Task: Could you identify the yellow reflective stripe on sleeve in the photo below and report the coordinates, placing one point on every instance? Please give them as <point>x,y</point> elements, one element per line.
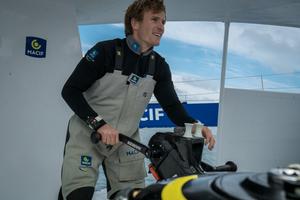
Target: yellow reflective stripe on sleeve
<point>173,190</point>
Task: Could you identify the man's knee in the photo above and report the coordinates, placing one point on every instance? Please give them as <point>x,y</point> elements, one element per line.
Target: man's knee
<point>85,193</point>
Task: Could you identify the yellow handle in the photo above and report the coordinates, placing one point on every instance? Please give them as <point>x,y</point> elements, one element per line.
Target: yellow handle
<point>173,190</point>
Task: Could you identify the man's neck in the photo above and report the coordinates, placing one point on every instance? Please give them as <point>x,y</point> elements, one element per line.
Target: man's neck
<point>136,47</point>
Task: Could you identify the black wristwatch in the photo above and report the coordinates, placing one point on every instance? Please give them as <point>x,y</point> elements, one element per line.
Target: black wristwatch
<point>95,122</point>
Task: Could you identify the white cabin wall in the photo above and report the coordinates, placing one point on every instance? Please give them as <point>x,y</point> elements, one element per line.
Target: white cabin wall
<point>33,116</point>
<point>259,130</point>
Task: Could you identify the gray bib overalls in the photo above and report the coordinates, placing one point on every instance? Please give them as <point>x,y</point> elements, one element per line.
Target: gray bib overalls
<point>120,100</point>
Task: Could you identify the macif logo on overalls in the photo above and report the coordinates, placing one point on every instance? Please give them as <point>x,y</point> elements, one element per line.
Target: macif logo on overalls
<point>35,47</point>
<point>131,152</point>
<point>133,79</point>
<point>86,161</point>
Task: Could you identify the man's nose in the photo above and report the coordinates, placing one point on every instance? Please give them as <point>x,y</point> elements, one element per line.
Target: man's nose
<point>161,26</point>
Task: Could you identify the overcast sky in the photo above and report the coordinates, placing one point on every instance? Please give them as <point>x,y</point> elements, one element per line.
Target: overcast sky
<point>277,47</point>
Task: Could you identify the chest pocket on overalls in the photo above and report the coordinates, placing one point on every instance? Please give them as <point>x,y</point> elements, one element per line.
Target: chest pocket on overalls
<point>145,90</point>
<point>144,93</point>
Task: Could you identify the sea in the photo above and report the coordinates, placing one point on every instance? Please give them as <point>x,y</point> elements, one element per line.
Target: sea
<point>146,133</point>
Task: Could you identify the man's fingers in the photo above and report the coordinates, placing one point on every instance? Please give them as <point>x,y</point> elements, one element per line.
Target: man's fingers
<point>209,138</point>
<point>205,141</point>
<point>211,143</point>
<point>117,138</point>
<point>110,136</point>
<point>110,140</point>
<point>104,138</point>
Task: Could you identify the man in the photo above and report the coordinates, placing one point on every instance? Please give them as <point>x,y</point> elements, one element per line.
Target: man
<point>109,91</point>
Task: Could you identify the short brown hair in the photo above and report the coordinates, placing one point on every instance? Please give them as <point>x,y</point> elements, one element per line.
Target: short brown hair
<point>136,10</point>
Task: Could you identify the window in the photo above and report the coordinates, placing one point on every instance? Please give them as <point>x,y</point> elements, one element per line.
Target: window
<point>263,57</point>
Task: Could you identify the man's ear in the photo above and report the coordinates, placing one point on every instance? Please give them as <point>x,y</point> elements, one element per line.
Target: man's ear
<point>134,24</point>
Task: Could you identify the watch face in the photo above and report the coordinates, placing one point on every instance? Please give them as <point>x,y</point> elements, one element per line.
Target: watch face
<point>95,123</point>
<point>98,118</point>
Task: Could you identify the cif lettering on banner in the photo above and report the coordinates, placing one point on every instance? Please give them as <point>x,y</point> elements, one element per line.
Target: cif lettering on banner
<point>154,116</point>
<point>35,47</point>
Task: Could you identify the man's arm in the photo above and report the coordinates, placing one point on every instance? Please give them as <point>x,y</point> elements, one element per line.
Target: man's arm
<point>89,69</point>
<point>84,75</point>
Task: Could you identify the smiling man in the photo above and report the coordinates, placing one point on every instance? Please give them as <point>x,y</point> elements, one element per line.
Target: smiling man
<point>108,92</point>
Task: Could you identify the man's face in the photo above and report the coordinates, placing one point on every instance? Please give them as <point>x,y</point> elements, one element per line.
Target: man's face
<point>149,31</point>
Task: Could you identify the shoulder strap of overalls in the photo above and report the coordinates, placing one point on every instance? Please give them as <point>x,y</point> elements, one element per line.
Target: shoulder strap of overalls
<point>151,65</point>
<point>119,55</point>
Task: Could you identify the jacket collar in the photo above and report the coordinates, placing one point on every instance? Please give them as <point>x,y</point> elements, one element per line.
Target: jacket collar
<point>135,46</point>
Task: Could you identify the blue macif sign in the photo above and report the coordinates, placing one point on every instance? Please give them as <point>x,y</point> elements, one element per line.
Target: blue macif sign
<point>154,115</point>
<point>35,47</point>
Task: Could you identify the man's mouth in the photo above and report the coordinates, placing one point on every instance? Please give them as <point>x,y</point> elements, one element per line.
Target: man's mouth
<point>157,34</point>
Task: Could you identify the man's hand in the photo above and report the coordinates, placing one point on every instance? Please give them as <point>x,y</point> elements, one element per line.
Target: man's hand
<point>109,135</point>
<point>209,138</point>
<point>207,134</point>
